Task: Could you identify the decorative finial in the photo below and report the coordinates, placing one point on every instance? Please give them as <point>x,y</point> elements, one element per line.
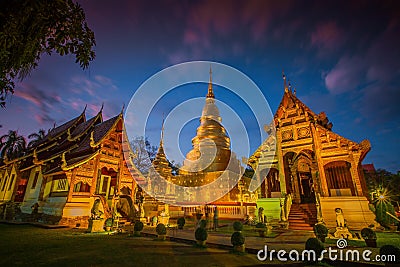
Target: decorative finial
<point>210,93</point>
<point>162,131</point>
<point>123,107</point>
<point>92,143</point>
<point>63,161</point>
<point>84,110</point>
<point>284,81</point>
<point>290,86</point>
<point>102,106</point>
<point>294,90</point>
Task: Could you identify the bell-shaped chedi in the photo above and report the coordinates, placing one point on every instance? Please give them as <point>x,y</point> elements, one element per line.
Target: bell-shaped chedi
<point>211,145</point>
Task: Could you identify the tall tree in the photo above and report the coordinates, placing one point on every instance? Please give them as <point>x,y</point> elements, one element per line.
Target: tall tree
<point>31,28</point>
<point>143,153</point>
<point>36,138</point>
<point>12,145</point>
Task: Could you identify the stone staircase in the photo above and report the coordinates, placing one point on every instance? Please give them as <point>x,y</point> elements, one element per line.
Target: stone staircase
<point>302,216</point>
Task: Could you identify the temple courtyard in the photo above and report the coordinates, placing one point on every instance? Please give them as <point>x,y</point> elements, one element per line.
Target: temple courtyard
<point>28,245</point>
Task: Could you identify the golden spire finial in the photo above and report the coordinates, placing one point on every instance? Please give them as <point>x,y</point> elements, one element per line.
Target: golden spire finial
<point>162,131</point>
<point>63,161</point>
<point>210,93</point>
<point>284,81</point>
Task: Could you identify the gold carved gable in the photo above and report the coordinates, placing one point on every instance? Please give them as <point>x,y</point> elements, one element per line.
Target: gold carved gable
<point>86,180</point>
<point>303,132</point>
<point>287,135</point>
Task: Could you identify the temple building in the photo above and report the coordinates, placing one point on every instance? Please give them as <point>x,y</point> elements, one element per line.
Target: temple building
<point>314,173</point>
<point>63,174</point>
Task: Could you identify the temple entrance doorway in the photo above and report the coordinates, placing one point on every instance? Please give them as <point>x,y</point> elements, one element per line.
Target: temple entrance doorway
<point>306,188</point>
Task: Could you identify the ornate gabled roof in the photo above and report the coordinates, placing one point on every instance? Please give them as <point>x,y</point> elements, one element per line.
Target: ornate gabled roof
<point>57,131</point>
<point>290,100</point>
<point>95,136</point>
<point>83,127</point>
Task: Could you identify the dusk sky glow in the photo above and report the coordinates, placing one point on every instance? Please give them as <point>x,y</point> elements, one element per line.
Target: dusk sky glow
<point>343,57</point>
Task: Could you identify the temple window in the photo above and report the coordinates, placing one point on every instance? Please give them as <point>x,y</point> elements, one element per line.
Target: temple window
<point>11,182</point>
<point>59,186</point>
<point>4,184</point>
<point>82,187</point>
<point>338,176</point>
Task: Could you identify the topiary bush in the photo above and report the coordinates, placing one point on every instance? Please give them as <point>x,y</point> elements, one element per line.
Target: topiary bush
<point>368,233</point>
<point>161,229</point>
<point>138,226</point>
<point>237,239</point>
<point>181,222</point>
<point>201,234</point>
<point>203,224</point>
<point>237,226</point>
<point>321,231</point>
<point>316,245</point>
<point>369,236</point>
<point>260,225</point>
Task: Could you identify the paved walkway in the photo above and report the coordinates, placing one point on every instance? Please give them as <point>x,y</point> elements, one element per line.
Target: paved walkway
<point>292,239</point>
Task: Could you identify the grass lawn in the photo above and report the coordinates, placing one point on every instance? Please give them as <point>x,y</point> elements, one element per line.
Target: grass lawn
<point>383,238</point>
<point>24,245</point>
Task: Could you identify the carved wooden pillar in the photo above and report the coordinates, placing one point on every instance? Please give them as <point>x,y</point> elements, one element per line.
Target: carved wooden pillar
<point>95,175</point>
<point>281,167</point>
<point>355,175</point>
<point>295,184</point>
<point>71,179</point>
<point>317,151</point>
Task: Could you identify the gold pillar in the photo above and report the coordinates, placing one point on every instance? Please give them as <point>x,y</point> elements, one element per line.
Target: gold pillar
<point>355,175</point>
<point>70,178</point>
<point>281,167</point>
<point>321,171</point>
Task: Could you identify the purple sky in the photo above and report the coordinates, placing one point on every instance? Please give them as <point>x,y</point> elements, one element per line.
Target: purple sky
<point>343,57</point>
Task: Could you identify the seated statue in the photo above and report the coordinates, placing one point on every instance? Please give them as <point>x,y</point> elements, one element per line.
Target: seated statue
<point>261,214</point>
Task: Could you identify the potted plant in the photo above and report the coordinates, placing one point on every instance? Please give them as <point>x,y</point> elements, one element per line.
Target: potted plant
<point>369,236</point>
<point>321,231</point>
<point>201,236</point>
<point>137,228</point>
<point>108,224</point>
<point>237,226</point>
<point>237,240</point>
<point>261,229</point>
<point>181,222</point>
<point>161,231</point>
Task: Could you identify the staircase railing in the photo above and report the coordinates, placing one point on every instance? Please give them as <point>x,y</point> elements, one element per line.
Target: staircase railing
<point>320,219</point>
<point>286,204</point>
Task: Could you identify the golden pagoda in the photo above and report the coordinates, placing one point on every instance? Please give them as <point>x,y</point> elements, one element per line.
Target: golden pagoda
<point>211,145</point>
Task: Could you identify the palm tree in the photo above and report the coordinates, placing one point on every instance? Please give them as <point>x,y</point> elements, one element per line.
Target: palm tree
<point>36,138</point>
<point>12,145</point>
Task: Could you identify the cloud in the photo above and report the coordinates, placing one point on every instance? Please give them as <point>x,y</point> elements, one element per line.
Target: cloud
<point>383,55</point>
<point>371,76</point>
<point>346,75</point>
<point>93,93</point>
<point>327,37</point>
<point>42,99</point>
<point>379,104</point>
